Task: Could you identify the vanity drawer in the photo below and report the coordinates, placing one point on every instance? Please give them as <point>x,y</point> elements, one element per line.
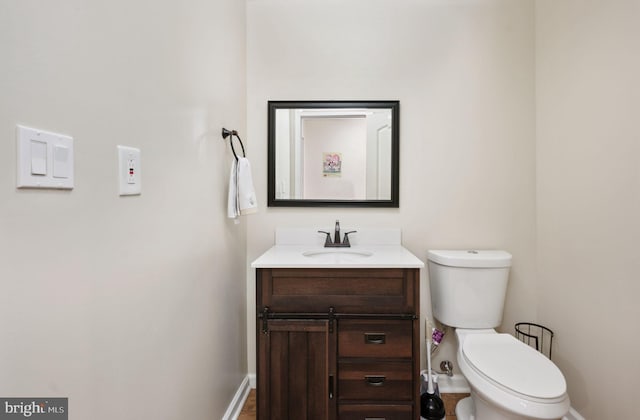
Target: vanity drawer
<point>375,381</point>
<point>375,412</point>
<point>375,338</point>
<point>349,291</point>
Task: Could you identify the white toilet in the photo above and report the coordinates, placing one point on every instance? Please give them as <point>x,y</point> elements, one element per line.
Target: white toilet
<point>508,379</point>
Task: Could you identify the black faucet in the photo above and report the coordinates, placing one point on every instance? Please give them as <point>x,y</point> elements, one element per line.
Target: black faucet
<point>336,241</point>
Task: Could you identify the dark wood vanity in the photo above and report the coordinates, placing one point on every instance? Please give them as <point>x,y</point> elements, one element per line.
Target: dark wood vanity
<point>338,343</point>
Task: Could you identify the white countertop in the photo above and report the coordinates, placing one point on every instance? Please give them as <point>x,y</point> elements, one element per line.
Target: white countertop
<point>383,256</point>
<point>371,251</point>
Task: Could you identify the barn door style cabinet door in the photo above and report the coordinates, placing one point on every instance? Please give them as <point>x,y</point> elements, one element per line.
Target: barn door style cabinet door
<point>296,371</point>
<point>337,343</point>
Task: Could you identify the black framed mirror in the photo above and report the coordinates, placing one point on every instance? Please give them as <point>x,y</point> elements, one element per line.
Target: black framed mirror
<point>333,153</point>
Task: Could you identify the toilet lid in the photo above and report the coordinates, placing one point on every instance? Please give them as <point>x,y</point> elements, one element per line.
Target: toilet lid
<point>514,365</point>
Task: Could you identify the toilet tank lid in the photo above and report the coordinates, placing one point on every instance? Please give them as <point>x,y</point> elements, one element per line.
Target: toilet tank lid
<point>471,258</point>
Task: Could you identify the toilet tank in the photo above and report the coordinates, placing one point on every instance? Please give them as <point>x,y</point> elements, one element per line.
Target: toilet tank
<point>468,288</point>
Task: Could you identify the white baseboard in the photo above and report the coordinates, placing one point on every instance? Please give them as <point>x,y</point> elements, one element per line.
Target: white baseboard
<point>235,407</point>
<point>253,380</point>
<point>573,415</point>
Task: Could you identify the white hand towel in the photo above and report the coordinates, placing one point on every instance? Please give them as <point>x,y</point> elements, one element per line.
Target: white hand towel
<point>242,196</point>
<point>247,202</point>
<point>232,203</point>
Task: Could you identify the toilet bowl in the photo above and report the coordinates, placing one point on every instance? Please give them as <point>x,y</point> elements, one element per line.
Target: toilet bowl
<point>508,379</point>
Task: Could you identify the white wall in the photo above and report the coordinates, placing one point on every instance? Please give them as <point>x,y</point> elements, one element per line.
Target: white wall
<point>588,97</point>
<point>464,74</point>
<point>134,307</point>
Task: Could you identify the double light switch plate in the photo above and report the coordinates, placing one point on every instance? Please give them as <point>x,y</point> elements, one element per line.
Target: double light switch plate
<point>45,160</point>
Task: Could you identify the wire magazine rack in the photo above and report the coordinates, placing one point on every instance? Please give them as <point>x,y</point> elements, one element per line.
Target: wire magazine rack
<point>537,336</point>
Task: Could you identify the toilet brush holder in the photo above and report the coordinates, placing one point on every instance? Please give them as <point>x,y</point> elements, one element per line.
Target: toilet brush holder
<point>431,405</point>
<point>424,385</point>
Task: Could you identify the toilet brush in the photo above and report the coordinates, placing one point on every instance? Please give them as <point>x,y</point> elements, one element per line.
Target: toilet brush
<point>431,405</point>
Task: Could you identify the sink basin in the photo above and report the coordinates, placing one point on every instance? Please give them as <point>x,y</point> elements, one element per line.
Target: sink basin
<point>337,252</point>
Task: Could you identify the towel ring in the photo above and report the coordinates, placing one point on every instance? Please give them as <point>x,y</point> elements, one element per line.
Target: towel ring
<point>226,133</point>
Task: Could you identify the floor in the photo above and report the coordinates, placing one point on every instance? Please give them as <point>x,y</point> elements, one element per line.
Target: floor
<point>249,410</point>
<point>450,401</point>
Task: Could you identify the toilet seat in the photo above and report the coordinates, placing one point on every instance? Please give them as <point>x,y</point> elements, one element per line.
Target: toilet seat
<point>514,367</point>
<point>508,390</point>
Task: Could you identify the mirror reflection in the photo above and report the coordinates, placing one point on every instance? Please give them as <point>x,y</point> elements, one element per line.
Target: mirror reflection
<point>333,153</point>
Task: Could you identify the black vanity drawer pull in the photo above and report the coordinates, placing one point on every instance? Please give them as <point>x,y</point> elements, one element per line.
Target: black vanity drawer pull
<point>375,338</point>
<point>375,418</point>
<point>375,380</point>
